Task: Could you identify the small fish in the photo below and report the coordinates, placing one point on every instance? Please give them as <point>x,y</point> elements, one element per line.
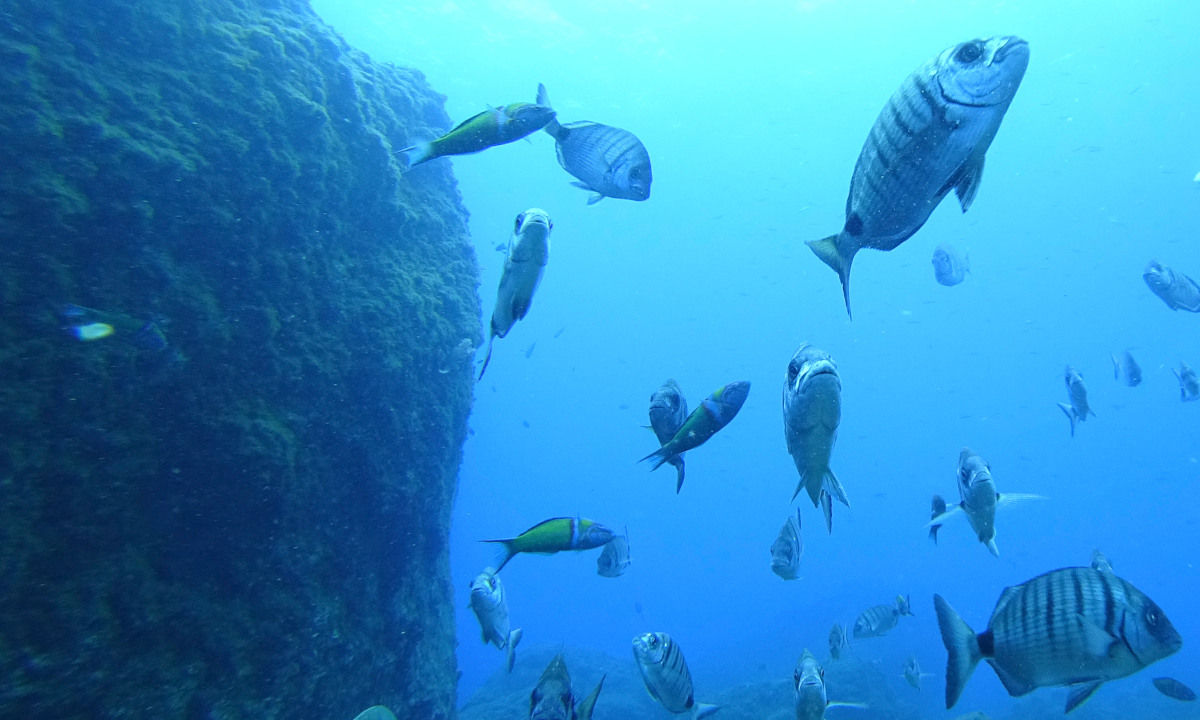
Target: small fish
<point>812,698</point>
<point>1189,384</point>
<point>937,507</point>
<point>1126,368</point>
<point>91,331</point>
<point>950,268</point>
<point>837,641</point>
<point>878,620</point>
<point>668,412</point>
<point>553,698</point>
<point>492,127</point>
<point>88,325</point>
<point>1177,290</point>
<point>1074,626</point>
<point>1078,410</point>
<point>490,605</point>
<point>608,161</point>
<point>1101,563</point>
<point>666,676</point>
<point>812,410</point>
<point>614,559</point>
<point>929,139</point>
<point>552,536</point>
<point>979,499</point>
<point>912,672</point>
<point>528,253</point>
<point>1172,688</point>
<point>787,549</point>
<point>713,413</point>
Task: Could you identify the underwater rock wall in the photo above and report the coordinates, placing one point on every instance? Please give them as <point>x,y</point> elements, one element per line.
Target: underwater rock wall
<point>236,504</point>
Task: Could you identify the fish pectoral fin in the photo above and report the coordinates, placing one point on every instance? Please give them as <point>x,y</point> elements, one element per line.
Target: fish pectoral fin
<point>1009,499</point>
<point>967,183</point>
<point>859,705</point>
<point>703,710</point>
<point>1079,694</point>
<point>1097,641</point>
<point>941,519</point>
<point>1070,413</point>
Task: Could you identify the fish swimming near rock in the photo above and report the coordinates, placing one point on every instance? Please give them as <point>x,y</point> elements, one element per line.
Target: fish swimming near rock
<point>950,268</point>
<point>1189,384</point>
<point>937,507</point>
<point>787,549</point>
<point>89,325</point>
<point>878,620</point>
<point>1172,688</point>
<point>979,499</point>
<point>668,412</point>
<point>812,411</point>
<point>1126,369</point>
<point>490,605</point>
<point>553,699</point>
<point>1078,409</point>
<point>528,253</point>
<point>608,161</point>
<point>837,641</point>
<point>614,559</point>
<point>714,412</point>
<point>492,127</point>
<point>930,138</point>
<point>912,672</point>
<point>1177,290</point>
<point>1076,626</point>
<point>812,697</point>
<point>666,676</point>
<point>552,536</point>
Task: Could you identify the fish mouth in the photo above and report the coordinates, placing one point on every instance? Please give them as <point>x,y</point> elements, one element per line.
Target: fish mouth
<point>1011,45</point>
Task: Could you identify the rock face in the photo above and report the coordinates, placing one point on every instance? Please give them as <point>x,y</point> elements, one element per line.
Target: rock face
<point>236,504</point>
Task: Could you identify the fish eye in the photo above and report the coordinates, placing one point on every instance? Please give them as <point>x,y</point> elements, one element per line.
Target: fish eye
<point>517,224</point>
<point>793,370</point>
<point>1152,617</point>
<point>969,53</point>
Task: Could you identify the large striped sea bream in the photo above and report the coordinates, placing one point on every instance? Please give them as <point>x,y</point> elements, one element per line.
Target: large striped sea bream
<point>609,161</point>
<point>1077,626</point>
<point>812,410</point>
<point>666,676</point>
<point>929,139</point>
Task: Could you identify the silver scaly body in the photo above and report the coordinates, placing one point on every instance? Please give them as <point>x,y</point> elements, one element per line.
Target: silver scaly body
<point>668,411</point>
<point>1189,383</point>
<point>1177,290</point>
<point>1078,409</point>
<point>665,674</point>
<point>490,605</point>
<point>812,411</point>
<point>528,253</point>
<point>787,549</point>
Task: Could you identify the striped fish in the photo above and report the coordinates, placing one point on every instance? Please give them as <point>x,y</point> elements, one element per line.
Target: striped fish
<point>554,535</point>
<point>878,620</point>
<point>837,641</point>
<point>812,410</point>
<point>1129,368</point>
<point>490,605</point>
<point>929,139</point>
<point>713,413</point>
<point>1075,626</point>
<point>1177,290</point>
<point>609,161</point>
<point>614,558</point>
<point>1078,410</point>
<point>668,411</point>
<point>666,676</point>
<point>787,549</point>
<point>1189,384</point>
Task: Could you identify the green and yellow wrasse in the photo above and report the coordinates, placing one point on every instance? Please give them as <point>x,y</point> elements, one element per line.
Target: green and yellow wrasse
<point>555,535</point>
<point>713,413</point>
<point>495,126</point>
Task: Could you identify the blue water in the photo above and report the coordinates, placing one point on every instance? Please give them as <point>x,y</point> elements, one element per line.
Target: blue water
<point>753,119</point>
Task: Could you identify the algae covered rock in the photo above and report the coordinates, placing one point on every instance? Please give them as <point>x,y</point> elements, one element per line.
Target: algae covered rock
<point>245,516</point>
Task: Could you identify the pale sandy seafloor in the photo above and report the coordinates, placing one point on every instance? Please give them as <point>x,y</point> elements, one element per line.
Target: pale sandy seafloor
<point>852,678</point>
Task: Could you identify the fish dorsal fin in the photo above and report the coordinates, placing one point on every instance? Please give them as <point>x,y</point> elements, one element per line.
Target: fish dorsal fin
<point>1079,694</point>
<point>967,184</point>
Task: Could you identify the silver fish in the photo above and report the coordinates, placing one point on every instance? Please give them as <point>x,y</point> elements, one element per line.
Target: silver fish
<point>812,410</point>
<point>668,411</point>
<point>1128,367</point>
<point>490,605</point>
<point>937,507</point>
<point>837,641</point>
<point>878,620</point>
<point>528,253</point>
<point>614,559</point>
<point>1074,626</point>
<point>950,268</point>
<point>553,699</point>
<point>812,697</point>
<point>929,139</point>
<point>1189,384</point>
<point>1172,688</point>
<point>1078,410</point>
<point>666,676</point>
<point>912,672</point>
<point>609,161</point>
<point>787,549</point>
<point>1177,290</point>
<point>979,499</point>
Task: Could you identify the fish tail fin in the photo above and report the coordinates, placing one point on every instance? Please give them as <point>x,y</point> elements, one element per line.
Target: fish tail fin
<point>514,637</point>
<point>588,704</point>
<point>703,710</point>
<point>678,463</point>
<point>659,456</point>
<point>486,358</point>
<point>1070,413</point>
<point>414,155</point>
<point>962,648</point>
<point>543,99</point>
<point>827,510</point>
<point>506,553</point>
<point>827,249</point>
<point>595,198</point>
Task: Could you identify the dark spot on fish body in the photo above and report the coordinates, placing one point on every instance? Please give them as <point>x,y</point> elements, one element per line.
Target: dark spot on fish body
<point>854,224</point>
